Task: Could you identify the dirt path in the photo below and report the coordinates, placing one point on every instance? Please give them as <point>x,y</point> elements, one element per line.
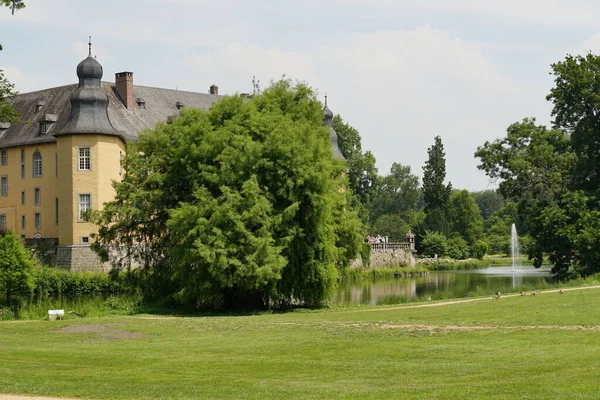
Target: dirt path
<point>446,303</point>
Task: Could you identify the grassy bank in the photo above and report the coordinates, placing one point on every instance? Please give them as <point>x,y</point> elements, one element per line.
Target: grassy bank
<point>534,347</point>
<point>383,273</point>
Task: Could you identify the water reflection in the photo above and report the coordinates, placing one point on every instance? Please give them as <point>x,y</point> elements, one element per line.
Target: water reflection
<point>442,284</point>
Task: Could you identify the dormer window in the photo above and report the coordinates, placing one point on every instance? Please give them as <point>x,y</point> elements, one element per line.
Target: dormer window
<point>141,103</point>
<point>3,128</point>
<point>43,128</point>
<point>179,105</point>
<point>39,106</point>
<point>46,122</point>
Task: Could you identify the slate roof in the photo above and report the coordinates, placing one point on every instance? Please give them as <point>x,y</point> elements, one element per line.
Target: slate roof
<point>160,104</point>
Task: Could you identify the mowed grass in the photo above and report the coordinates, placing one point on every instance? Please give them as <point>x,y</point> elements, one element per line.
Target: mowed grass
<point>533,347</point>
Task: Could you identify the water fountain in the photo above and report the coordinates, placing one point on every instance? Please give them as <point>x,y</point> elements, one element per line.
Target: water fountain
<point>514,247</point>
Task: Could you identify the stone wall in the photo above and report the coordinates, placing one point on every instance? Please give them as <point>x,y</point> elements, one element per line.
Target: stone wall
<point>388,258</point>
<point>79,258</point>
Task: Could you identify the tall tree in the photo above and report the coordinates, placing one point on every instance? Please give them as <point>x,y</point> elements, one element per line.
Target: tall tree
<point>465,216</point>
<point>363,179</point>
<point>488,201</point>
<point>238,206</point>
<point>436,195</point>
<point>398,194</point>
<point>576,100</point>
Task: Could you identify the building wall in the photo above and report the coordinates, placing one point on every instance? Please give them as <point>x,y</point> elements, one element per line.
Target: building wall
<point>105,153</point>
<point>47,183</point>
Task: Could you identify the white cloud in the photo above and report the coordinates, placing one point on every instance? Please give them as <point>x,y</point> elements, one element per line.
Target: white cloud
<point>233,67</point>
<point>403,88</point>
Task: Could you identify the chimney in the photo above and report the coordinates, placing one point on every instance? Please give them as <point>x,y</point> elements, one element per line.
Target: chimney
<point>214,89</point>
<point>124,84</point>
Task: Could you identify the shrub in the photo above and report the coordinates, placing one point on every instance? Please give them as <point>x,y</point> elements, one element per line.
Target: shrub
<point>434,243</point>
<point>57,281</point>
<point>457,248</point>
<point>480,249</point>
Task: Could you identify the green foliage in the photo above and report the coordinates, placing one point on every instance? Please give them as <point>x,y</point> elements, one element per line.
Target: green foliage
<point>480,249</point>
<point>530,162</point>
<point>576,101</point>
<point>436,195</point>
<point>7,93</point>
<point>465,216</point>
<point>457,248</point>
<point>51,281</point>
<point>238,206</point>
<point>14,5</point>
<point>16,266</point>
<point>488,201</point>
<point>434,244</point>
<point>398,194</point>
<point>392,226</point>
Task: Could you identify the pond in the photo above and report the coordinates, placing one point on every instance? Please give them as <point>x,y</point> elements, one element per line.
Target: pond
<point>443,285</point>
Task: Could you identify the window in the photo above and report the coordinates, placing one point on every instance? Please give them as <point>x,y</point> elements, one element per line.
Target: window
<point>4,157</point>
<point>22,163</point>
<point>23,222</point>
<point>56,210</point>
<point>23,198</point>
<point>4,185</point>
<point>22,156</point>
<point>37,196</point>
<point>56,163</point>
<point>37,164</point>
<point>85,204</point>
<point>37,218</point>
<point>85,163</point>
<point>85,240</point>
<point>2,222</point>
<point>43,128</point>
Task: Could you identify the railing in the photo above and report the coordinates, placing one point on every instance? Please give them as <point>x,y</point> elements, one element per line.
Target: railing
<point>390,246</point>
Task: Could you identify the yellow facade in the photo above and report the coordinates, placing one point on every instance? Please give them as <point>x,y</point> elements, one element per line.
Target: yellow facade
<point>60,184</point>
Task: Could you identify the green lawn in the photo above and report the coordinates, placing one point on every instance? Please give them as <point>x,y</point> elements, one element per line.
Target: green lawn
<point>541,347</point>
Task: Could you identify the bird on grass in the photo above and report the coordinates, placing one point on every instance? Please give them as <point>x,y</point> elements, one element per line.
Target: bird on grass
<point>560,291</point>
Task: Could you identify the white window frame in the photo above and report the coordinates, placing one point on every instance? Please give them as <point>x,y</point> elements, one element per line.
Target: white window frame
<point>86,206</point>
<point>43,128</point>
<point>37,164</point>
<point>82,158</point>
<point>4,185</point>
<point>37,220</point>
<point>85,240</point>
<point>4,157</point>
<point>37,196</point>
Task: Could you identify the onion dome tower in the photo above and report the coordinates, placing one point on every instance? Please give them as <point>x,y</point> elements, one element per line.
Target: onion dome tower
<point>89,104</point>
<point>328,123</point>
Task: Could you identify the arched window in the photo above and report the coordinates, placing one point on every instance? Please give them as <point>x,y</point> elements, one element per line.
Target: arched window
<point>37,164</point>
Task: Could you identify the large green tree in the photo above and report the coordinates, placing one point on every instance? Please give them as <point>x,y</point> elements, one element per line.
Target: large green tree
<point>7,93</point>
<point>363,179</point>
<point>398,194</point>
<point>436,195</point>
<point>576,100</point>
<point>238,206</point>
<point>465,217</point>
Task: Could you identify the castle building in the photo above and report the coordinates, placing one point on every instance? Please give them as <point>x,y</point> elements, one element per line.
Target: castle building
<point>61,160</point>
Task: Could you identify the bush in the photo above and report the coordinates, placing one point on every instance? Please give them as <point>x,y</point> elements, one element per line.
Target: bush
<point>480,249</point>
<point>57,281</point>
<point>457,248</point>
<point>434,244</point>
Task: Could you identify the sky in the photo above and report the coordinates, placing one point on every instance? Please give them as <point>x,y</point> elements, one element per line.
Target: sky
<point>399,71</point>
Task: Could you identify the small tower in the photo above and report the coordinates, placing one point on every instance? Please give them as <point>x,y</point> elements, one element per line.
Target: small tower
<point>328,123</point>
<point>410,238</point>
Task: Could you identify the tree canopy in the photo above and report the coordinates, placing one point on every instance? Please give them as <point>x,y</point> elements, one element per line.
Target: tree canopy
<point>239,206</point>
<point>436,195</point>
<point>16,266</point>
